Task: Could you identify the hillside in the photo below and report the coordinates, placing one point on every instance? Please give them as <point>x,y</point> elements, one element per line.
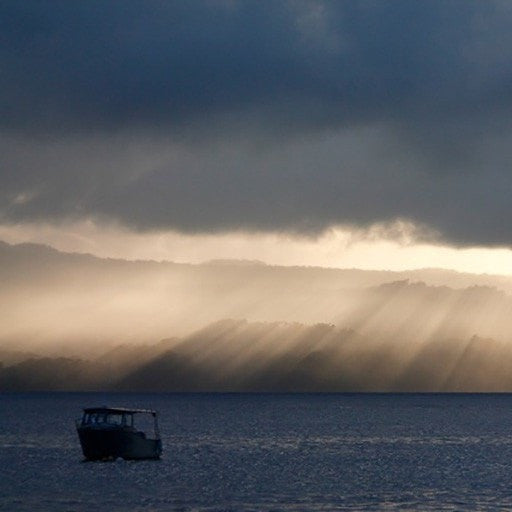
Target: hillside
<point>236,355</point>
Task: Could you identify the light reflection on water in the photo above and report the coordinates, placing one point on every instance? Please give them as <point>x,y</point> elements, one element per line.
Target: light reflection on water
<point>253,452</point>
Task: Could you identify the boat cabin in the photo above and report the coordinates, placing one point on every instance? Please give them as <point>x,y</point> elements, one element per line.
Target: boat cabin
<point>113,416</point>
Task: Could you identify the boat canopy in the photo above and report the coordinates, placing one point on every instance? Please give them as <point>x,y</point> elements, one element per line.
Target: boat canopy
<point>118,410</point>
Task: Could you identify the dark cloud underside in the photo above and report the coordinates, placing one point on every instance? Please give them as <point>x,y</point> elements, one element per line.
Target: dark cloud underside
<point>293,116</point>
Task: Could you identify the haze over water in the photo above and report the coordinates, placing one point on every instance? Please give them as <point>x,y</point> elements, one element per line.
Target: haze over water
<point>256,452</point>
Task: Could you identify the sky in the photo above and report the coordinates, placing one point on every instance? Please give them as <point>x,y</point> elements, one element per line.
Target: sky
<point>349,134</point>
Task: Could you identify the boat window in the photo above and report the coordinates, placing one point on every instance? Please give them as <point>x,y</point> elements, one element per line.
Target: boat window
<point>114,419</point>
<point>97,418</point>
<point>124,419</point>
<point>127,420</point>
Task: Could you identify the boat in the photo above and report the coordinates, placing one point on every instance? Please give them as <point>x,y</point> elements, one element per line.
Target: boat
<point>108,433</point>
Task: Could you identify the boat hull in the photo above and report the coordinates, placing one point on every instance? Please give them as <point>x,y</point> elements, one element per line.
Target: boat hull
<point>110,444</point>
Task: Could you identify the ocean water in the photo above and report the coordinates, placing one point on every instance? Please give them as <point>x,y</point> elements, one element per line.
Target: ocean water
<point>266,452</point>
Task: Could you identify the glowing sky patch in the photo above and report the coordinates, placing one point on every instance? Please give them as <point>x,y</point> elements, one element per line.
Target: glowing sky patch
<point>339,247</point>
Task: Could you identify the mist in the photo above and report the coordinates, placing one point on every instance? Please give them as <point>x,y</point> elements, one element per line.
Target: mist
<point>238,325</point>
<point>236,355</point>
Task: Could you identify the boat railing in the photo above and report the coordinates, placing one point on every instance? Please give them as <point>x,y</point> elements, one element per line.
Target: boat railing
<point>157,428</point>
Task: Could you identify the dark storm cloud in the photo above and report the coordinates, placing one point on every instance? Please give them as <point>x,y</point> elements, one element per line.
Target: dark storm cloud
<point>259,115</point>
<point>93,64</point>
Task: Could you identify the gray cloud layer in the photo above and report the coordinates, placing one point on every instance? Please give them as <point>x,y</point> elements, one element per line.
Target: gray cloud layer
<point>259,115</point>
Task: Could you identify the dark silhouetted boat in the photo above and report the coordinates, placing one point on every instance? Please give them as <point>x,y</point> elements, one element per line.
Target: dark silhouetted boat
<point>108,433</point>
